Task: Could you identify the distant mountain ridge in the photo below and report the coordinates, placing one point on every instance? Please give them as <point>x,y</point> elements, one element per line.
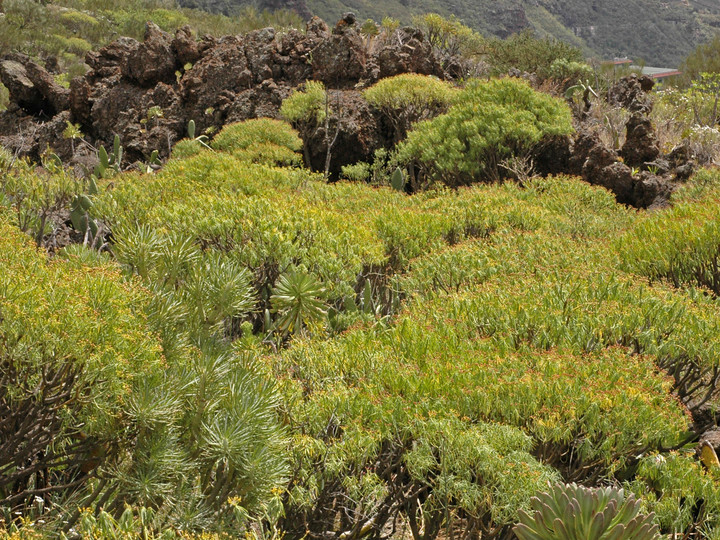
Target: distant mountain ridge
<point>658,32</point>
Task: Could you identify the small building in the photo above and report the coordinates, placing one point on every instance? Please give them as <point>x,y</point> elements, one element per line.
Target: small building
<point>660,74</point>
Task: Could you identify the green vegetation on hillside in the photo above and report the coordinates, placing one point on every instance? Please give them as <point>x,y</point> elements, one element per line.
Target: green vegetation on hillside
<point>62,31</point>
<point>487,123</point>
<point>660,33</point>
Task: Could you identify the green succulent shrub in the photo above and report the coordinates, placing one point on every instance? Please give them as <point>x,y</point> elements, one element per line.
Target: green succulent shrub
<point>572,512</point>
<point>569,72</point>
<point>680,245</point>
<point>260,140</point>
<point>35,199</point>
<point>488,122</point>
<point>681,492</point>
<point>306,109</point>
<point>306,105</point>
<point>357,172</point>
<point>408,98</point>
<point>471,346</point>
<point>74,343</point>
<point>187,148</point>
<point>449,36</point>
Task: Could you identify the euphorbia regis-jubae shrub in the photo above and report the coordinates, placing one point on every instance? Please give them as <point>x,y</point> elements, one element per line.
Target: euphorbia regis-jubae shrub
<point>490,121</point>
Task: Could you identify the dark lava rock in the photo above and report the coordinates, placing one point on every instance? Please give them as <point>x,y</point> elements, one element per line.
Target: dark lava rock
<point>153,60</point>
<point>631,92</point>
<point>407,51</point>
<point>340,60</point>
<point>640,143</point>
<point>32,87</point>
<point>184,46</point>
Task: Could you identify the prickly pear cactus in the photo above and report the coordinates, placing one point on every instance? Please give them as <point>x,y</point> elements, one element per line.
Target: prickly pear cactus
<point>397,180</point>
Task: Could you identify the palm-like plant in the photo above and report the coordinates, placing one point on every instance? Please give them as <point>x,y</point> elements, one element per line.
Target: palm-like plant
<point>572,512</point>
<point>298,300</point>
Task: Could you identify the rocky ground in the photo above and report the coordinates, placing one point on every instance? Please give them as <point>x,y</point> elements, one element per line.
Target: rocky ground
<point>148,92</point>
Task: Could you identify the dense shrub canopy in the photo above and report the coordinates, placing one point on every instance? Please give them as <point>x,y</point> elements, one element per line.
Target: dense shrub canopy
<point>489,121</point>
<point>526,52</point>
<point>317,356</point>
<point>408,98</point>
<point>261,140</point>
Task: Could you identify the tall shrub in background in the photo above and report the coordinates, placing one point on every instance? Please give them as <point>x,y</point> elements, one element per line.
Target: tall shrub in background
<point>449,36</point>
<point>527,52</point>
<point>489,122</point>
<point>704,59</point>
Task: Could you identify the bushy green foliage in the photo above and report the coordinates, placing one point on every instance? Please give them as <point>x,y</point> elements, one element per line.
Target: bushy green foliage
<point>449,36</point>
<point>569,72</point>
<point>527,52</point>
<point>680,492</point>
<point>36,198</point>
<point>74,343</point>
<point>261,140</point>
<point>240,135</point>
<point>357,172</point>
<point>186,148</point>
<point>307,110</point>
<point>704,59</point>
<point>488,122</point>
<point>572,512</point>
<point>306,106</point>
<point>681,244</point>
<point>408,98</point>
<point>465,347</point>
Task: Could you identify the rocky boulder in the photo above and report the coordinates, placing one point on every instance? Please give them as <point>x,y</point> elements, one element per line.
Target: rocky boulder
<point>107,63</point>
<point>406,52</point>
<point>340,60</point>
<point>641,144</point>
<point>632,93</point>
<point>358,133</point>
<point>31,87</point>
<point>185,46</point>
<point>153,60</point>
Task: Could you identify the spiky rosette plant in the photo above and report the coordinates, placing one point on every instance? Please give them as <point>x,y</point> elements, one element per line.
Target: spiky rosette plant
<point>572,512</point>
<point>298,299</point>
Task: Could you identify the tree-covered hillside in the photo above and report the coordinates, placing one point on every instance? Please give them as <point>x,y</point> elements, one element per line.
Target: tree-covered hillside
<point>657,32</point>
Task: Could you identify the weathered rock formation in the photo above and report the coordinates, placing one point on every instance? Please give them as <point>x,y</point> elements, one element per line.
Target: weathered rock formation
<point>212,81</point>
<point>638,175</point>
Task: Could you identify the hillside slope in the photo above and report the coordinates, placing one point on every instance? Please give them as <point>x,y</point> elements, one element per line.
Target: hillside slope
<point>658,32</point>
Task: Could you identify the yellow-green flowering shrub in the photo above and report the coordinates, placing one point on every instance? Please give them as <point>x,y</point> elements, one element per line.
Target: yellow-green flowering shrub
<point>682,243</point>
<point>74,343</point>
<point>409,98</point>
<point>261,140</point>
<point>488,122</point>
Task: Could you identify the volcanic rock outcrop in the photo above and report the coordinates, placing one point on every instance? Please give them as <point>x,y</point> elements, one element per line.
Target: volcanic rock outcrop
<point>146,92</point>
